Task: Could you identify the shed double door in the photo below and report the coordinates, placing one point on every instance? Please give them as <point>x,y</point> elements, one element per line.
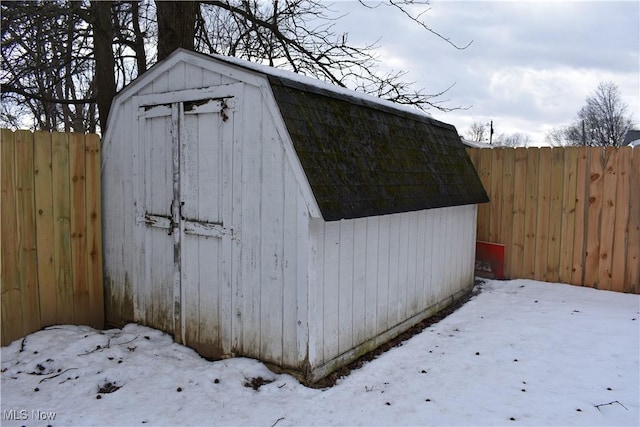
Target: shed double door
<point>185,216</point>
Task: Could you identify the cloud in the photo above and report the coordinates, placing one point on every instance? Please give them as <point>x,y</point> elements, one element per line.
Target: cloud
<point>531,65</point>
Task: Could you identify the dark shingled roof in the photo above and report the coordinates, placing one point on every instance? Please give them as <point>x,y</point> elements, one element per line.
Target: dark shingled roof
<point>631,135</point>
<point>363,158</point>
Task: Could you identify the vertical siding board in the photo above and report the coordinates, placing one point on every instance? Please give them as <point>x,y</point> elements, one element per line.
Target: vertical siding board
<point>290,273</point>
<point>226,299</point>
<point>317,289</point>
<point>452,228</point>
<point>632,281</point>
<point>608,217</point>
<point>393,289</point>
<point>531,209</point>
<point>93,208</point>
<point>128,202</point>
<point>359,280</point>
<point>419,274</point>
<point>542,216</point>
<point>200,276</point>
<point>594,212</point>
<point>621,227</point>
<point>555,216</point>
<point>137,169</point>
<point>112,225</point>
<point>237,172</point>
<point>472,246</point>
<point>413,306</point>
<point>44,227</point>
<point>429,257</point>
<point>27,259</point>
<point>251,224</point>
<point>272,202</point>
<point>82,309</point>
<point>345,286</point>
<point>462,264</point>
<point>403,257</point>
<point>438,253</point>
<point>62,232</point>
<point>371,276</point>
<point>302,280</point>
<point>580,235</point>
<point>11,293</point>
<point>331,299</point>
<point>120,186</point>
<point>569,206</point>
<point>176,78</point>
<point>383,300</point>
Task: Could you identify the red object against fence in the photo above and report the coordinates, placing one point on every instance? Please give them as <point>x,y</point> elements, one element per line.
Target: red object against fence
<point>490,260</point>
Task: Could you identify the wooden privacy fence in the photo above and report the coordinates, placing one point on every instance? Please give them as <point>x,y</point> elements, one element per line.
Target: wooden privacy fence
<point>569,215</point>
<point>51,255</point>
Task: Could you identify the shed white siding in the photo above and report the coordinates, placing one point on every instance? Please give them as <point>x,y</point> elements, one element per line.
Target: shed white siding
<point>373,277</point>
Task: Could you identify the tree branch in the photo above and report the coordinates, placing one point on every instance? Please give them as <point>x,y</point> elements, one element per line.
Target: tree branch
<point>6,89</point>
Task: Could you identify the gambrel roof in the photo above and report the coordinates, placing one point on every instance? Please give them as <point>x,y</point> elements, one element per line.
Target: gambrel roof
<point>363,156</point>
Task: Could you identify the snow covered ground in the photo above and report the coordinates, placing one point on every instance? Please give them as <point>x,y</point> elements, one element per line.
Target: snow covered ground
<point>519,353</point>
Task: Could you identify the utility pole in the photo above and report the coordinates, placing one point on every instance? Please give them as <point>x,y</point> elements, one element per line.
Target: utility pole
<point>491,132</point>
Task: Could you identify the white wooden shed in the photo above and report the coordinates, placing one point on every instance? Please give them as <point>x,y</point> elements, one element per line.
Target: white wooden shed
<point>251,212</point>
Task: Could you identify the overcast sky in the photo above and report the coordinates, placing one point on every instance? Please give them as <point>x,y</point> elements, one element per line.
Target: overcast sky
<point>531,64</point>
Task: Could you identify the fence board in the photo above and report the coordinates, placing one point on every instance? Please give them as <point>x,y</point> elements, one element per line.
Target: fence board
<point>51,231</point>
<point>44,226</point>
<point>594,209</point>
<point>27,260</point>
<point>495,213</point>
<point>484,172</point>
<point>62,227</point>
<point>516,252</point>
<point>569,205</point>
<point>632,282</point>
<point>579,254</point>
<point>93,209</point>
<point>11,315</point>
<point>608,218</point>
<point>77,226</point>
<point>531,210</point>
<point>565,214</point>
<point>506,227</point>
<point>555,215</point>
<point>620,229</point>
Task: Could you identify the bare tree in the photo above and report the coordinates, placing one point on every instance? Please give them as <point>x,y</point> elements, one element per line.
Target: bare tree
<point>47,67</point>
<point>512,140</point>
<point>603,121</point>
<point>65,59</point>
<point>557,137</point>
<point>477,131</point>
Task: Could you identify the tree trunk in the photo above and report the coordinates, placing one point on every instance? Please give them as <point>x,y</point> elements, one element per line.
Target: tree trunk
<point>105,62</point>
<point>176,25</point>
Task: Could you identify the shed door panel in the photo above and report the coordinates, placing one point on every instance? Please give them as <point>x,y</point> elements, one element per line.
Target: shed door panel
<point>206,139</point>
<point>155,292</point>
<point>186,286</point>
